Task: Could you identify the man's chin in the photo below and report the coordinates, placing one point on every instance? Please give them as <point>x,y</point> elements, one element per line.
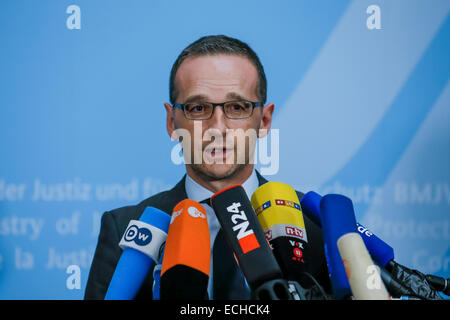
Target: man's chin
<point>217,171</point>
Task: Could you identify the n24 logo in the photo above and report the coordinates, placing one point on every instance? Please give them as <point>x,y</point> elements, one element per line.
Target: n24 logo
<point>239,215</point>
<point>245,236</point>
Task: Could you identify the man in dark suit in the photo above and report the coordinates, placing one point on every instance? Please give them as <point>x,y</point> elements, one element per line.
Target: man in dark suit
<point>218,94</point>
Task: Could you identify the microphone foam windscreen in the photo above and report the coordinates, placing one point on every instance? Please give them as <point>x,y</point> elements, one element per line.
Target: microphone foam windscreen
<point>245,235</point>
<point>278,210</point>
<point>337,217</point>
<point>142,243</point>
<point>364,277</point>
<point>380,251</point>
<point>188,241</point>
<point>310,203</point>
<point>187,254</point>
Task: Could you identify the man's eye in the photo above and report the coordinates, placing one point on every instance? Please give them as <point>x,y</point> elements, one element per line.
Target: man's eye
<point>199,108</point>
<point>196,108</point>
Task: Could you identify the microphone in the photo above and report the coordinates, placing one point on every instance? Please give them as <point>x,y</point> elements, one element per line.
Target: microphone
<point>157,278</point>
<point>383,254</point>
<point>396,289</point>
<point>439,283</point>
<point>379,250</point>
<point>346,248</point>
<point>141,244</point>
<point>245,236</point>
<point>278,210</point>
<point>187,254</point>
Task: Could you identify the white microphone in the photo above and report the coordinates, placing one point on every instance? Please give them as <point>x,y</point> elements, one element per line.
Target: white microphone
<point>363,275</point>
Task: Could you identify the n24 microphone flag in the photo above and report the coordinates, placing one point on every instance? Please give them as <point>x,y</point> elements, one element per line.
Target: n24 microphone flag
<point>245,236</point>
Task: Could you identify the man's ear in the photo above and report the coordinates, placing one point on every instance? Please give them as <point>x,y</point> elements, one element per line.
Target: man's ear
<point>266,120</point>
<point>170,121</point>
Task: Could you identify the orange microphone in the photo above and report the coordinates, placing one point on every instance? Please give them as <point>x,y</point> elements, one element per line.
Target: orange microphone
<point>187,254</point>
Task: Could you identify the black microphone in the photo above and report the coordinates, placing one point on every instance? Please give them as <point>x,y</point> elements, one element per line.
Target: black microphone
<point>420,285</point>
<point>439,283</point>
<point>395,288</point>
<point>244,235</point>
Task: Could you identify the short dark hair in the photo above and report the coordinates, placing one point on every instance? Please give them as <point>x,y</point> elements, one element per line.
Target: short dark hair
<point>219,44</point>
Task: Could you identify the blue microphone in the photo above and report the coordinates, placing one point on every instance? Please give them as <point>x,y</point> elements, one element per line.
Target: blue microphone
<point>416,284</point>
<point>157,278</point>
<point>379,250</point>
<point>348,258</point>
<point>334,225</point>
<point>142,244</point>
<point>310,204</point>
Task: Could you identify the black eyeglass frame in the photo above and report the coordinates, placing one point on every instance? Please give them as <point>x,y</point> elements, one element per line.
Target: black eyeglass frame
<point>222,104</point>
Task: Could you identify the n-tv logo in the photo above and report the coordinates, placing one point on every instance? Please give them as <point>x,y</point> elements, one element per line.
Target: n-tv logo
<point>141,236</point>
<point>295,232</point>
<point>245,236</point>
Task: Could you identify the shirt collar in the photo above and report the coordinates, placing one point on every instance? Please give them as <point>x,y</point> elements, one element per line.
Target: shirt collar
<point>199,193</point>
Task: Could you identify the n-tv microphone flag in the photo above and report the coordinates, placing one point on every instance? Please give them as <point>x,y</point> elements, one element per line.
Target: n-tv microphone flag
<point>278,210</point>
<point>142,244</point>
<point>187,254</point>
<point>379,250</point>
<point>245,236</point>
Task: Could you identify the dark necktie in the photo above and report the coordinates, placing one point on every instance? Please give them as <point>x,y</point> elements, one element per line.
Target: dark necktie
<point>228,281</point>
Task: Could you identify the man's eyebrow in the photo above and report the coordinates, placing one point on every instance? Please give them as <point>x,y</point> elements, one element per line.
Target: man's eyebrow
<point>234,96</point>
<point>196,98</point>
<point>203,98</point>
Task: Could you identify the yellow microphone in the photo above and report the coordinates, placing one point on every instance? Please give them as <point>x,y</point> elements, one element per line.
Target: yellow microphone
<point>279,212</point>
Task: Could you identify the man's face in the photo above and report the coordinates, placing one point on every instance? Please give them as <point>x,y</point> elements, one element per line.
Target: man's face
<point>217,79</point>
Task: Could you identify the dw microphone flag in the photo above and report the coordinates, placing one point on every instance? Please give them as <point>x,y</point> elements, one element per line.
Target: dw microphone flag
<point>142,243</point>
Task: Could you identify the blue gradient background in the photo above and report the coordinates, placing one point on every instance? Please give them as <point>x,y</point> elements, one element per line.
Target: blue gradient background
<point>356,109</point>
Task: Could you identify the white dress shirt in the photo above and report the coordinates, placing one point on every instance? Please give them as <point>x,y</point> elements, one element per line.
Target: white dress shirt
<point>198,193</point>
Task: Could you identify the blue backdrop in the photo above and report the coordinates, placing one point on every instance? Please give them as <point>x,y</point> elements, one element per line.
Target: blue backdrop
<point>362,105</point>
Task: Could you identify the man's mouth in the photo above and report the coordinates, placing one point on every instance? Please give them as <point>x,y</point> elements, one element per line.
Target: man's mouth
<point>217,152</point>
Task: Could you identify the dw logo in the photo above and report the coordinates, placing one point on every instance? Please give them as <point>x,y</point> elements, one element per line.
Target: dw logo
<point>141,236</point>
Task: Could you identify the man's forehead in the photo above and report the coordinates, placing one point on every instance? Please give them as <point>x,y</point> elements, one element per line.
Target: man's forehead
<point>231,74</point>
<point>219,60</point>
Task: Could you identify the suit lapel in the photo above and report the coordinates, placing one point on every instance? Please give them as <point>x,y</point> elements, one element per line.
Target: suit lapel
<point>261,179</point>
<point>167,200</point>
<point>178,193</point>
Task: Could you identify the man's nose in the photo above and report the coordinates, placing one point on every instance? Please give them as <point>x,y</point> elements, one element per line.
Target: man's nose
<point>218,120</point>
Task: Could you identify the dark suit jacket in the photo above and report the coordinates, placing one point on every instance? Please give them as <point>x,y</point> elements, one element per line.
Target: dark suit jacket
<point>114,223</point>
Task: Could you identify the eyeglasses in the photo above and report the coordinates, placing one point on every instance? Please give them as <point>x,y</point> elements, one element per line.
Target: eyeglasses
<point>232,109</point>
